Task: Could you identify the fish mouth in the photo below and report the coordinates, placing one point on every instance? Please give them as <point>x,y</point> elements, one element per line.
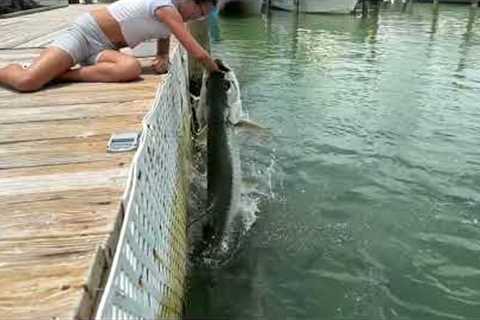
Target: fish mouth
<point>222,66</point>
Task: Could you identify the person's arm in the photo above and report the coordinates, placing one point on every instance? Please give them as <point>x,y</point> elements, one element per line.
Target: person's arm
<point>172,18</point>
<point>160,63</point>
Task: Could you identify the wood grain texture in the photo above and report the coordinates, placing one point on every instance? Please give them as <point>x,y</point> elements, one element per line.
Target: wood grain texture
<point>60,190</point>
<point>18,31</point>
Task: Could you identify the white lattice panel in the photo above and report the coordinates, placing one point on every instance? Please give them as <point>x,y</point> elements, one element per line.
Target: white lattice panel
<point>146,280</point>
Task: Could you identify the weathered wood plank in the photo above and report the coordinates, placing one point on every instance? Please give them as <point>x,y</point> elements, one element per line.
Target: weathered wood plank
<point>19,54</point>
<point>93,144</point>
<point>44,99</point>
<point>73,112</point>
<point>49,166</point>
<point>6,22</point>
<point>49,130</point>
<point>52,249</point>
<point>43,40</point>
<point>26,28</point>
<point>45,277</point>
<point>64,182</point>
<point>67,195</point>
<point>65,155</point>
<point>42,290</point>
<point>71,212</point>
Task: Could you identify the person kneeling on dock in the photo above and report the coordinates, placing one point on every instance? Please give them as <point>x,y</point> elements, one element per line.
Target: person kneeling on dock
<point>94,39</point>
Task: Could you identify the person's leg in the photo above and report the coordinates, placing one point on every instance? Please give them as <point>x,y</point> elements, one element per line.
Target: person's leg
<point>51,63</point>
<point>111,66</point>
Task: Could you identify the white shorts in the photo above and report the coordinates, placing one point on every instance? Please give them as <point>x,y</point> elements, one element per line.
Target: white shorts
<point>83,41</point>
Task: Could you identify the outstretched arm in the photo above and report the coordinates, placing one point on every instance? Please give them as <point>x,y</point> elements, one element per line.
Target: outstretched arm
<point>172,18</point>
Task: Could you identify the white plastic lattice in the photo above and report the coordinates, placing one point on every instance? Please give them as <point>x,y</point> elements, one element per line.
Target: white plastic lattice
<point>146,280</point>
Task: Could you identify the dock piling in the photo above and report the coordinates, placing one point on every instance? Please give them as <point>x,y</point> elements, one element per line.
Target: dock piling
<point>364,8</point>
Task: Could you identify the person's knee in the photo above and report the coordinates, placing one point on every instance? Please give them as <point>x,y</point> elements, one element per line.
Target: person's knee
<point>131,70</point>
<point>28,82</point>
<point>135,69</point>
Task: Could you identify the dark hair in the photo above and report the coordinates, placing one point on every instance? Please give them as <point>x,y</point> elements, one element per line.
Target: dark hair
<point>214,2</point>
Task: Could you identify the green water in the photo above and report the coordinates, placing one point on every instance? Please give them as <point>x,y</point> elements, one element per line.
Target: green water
<point>371,178</point>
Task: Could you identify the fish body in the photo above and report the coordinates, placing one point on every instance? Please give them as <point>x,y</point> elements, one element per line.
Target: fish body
<point>223,158</point>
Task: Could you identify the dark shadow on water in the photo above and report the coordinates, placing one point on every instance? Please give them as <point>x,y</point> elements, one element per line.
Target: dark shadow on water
<point>207,286</point>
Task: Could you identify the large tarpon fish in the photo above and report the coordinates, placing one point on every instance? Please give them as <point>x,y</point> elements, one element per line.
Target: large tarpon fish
<point>223,159</point>
<point>220,117</point>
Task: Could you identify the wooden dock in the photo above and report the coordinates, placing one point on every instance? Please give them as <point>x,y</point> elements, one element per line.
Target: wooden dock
<point>60,191</point>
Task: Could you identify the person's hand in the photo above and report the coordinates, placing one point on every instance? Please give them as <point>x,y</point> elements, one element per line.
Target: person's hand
<point>160,65</point>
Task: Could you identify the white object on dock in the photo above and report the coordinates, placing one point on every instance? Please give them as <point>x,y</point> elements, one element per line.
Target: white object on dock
<point>123,142</point>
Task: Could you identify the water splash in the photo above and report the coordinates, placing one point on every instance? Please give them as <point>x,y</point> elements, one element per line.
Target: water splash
<point>257,186</point>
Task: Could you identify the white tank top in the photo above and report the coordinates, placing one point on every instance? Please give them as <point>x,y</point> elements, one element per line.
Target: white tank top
<point>138,21</point>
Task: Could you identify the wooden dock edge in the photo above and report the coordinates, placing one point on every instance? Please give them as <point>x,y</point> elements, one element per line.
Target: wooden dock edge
<point>118,284</point>
<point>98,274</point>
